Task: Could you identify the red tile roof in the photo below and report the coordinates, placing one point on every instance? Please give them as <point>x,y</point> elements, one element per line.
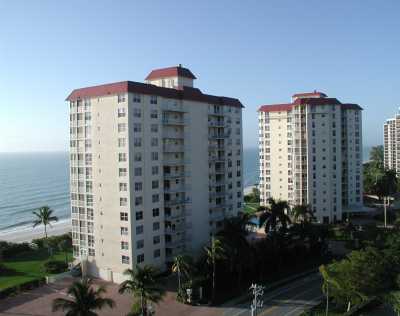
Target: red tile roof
<point>308,101</point>
<point>351,106</point>
<point>276,107</point>
<point>310,94</point>
<point>170,72</point>
<point>185,93</point>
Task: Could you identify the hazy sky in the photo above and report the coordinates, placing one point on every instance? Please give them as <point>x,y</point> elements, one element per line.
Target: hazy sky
<point>258,51</point>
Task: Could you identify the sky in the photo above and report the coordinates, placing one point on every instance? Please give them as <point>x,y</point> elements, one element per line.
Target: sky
<point>261,52</point>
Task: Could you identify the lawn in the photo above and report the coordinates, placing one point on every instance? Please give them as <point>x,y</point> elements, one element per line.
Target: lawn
<point>251,208</point>
<point>28,266</point>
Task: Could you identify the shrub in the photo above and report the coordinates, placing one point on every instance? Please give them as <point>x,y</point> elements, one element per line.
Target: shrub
<point>53,241</point>
<point>10,249</point>
<point>4,271</point>
<point>55,266</point>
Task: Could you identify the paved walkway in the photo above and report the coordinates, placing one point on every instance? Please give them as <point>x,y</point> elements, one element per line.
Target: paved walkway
<point>38,303</point>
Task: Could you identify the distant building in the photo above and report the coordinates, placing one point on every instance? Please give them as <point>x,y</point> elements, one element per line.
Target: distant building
<point>311,153</point>
<point>391,135</point>
<point>155,169</point>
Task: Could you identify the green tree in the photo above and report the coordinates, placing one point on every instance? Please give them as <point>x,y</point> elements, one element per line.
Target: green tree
<point>143,284</point>
<point>85,300</point>
<point>64,246</point>
<point>376,156</point>
<point>44,216</point>
<point>303,213</point>
<point>179,266</point>
<point>393,298</point>
<point>385,187</point>
<point>238,250</point>
<point>214,253</point>
<point>276,212</point>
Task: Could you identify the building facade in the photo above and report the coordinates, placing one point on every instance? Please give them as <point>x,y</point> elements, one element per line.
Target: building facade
<point>391,137</point>
<point>155,168</point>
<point>311,153</point>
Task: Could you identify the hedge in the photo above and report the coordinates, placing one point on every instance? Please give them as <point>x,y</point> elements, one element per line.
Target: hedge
<point>22,287</point>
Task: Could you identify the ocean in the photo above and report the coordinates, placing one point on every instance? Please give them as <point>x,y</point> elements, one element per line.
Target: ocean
<point>31,180</point>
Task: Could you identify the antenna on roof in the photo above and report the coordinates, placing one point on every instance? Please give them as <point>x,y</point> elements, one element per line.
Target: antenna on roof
<point>180,66</point>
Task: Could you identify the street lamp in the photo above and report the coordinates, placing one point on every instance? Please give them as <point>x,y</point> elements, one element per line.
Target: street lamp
<point>258,292</point>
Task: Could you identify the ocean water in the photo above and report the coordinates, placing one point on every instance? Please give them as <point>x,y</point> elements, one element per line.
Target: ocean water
<point>29,181</point>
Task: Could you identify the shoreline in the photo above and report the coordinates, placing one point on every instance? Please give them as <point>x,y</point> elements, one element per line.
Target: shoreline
<point>27,234</point>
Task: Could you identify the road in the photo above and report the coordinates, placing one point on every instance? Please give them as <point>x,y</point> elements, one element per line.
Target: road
<point>289,300</point>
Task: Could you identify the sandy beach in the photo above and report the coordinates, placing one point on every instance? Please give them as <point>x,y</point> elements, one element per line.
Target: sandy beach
<point>26,234</point>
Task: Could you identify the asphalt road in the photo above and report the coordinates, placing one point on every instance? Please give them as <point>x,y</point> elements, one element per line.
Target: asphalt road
<point>289,300</point>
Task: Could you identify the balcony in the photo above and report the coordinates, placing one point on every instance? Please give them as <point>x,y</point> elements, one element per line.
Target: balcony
<point>175,161</point>
<point>175,175</point>
<point>216,158</point>
<point>173,135</point>
<point>173,148</point>
<point>177,215</point>
<point>174,121</point>
<point>175,243</point>
<point>217,194</point>
<point>216,147</point>
<point>216,124</point>
<point>177,188</point>
<point>175,202</point>
<point>172,107</point>
<point>218,136</point>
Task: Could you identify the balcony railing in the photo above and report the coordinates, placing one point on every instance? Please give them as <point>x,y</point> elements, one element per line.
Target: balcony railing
<point>174,121</point>
<point>174,202</point>
<point>166,106</point>
<point>173,148</point>
<point>175,175</point>
<point>168,134</point>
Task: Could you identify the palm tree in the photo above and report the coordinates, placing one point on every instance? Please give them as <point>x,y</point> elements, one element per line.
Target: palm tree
<point>238,248</point>
<point>179,266</point>
<point>302,213</point>
<point>85,300</point>
<point>214,253</point>
<point>276,212</point>
<point>142,283</point>
<point>44,216</point>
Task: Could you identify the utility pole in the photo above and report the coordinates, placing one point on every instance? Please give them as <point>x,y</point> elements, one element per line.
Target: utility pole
<point>258,292</point>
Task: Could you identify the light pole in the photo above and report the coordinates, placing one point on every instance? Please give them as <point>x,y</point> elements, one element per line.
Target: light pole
<point>189,294</point>
<point>258,292</point>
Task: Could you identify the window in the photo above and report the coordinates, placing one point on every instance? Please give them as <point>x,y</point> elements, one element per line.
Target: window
<point>155,198</point>
<point>154,142</point>
<point>121,98</point>
<point>123,201</point>
<point>153,99</point>
<point>138,200</point>
<point>121,127</point>
<point>156,226</point>
<point>140,258</point>
<point>122,172</point>
<point>122,157</point>
<point>138,186</point>
<point>137,142</point>
<point>121,112</point>
<point>138,156</point>
<point>137,127</point>
<point>139,215</point>
<point>125,259</point>
<point>140,244</point>
<point>154,156</point>
<point>138,172</point>
<point>136,98</point>
<point>155,184</point>
<point>139,230</point>
<point>154,114</point>
<point>154,128</point>
<point>157,253</point>
<point>124,245</point>
<point>154,170</point>
<point>124,216</point>
<point>91,252</point>
<point>156,240</point>
<point>123,186</point>
<point>121,142</point>
<point>156,212</point>
<point>124,231</point>
<point>137,112</point>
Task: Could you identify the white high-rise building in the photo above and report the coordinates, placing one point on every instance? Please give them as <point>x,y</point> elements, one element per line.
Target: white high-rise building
<point>311,153</point>
<point>155,168</point>
<point>391,132</point>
